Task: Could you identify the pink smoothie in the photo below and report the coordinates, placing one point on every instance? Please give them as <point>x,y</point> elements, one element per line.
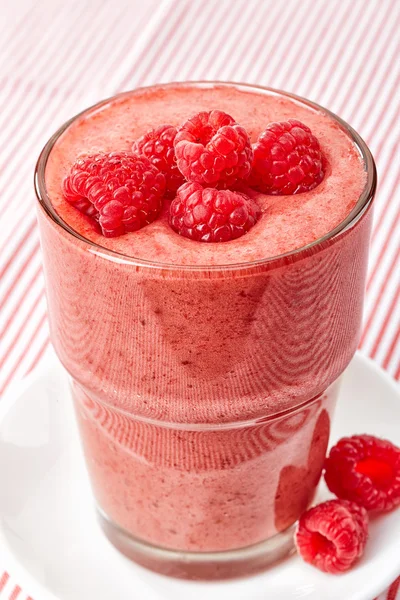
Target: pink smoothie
<point>205,375</point>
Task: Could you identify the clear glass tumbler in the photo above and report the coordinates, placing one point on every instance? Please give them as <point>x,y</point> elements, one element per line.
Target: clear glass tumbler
<point>204,395</point>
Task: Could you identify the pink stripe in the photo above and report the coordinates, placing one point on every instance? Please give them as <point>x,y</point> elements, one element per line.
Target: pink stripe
<point>20,302</point>
<point>15,593</point>
<point>177,37</point>
<point>385,323</point>
<point>384,247</point>
<point>310,44</point>
<point>253,44</point>
<point>20,27</point>
<point>378,94</point>
<point>332,46</point>
<point>3,580</point>
<point>219,29</point>
<point>7,243</point>
<point>19,247</point>
<point>369,84</point>
<point>391,349</point>
<point>282,23</point>
<point>167,38</point>
<point>21,329</point>
<point>397,373</point>
<point>379,298</point>
<point>123,51</point>
<point>125,81</point>
<point>376,64</point>
<point>19,275</point>
<point>391,195</point>
<point>80,66</point>
<point>304,21</point>
<point>388,129</point>
<point>38,355</point>
<point>23,354</point>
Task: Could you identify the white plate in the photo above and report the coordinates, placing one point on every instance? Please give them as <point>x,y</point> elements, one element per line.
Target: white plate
<point>52,543</point>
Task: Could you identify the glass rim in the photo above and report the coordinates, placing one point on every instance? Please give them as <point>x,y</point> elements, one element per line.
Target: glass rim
<point>353,217</point>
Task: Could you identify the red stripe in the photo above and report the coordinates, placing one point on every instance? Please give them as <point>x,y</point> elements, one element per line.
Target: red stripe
<point>394,588</point>
<point>346,67</point>
<point>391,195</point>
<point>305,22</point>
<point>82,65</point>
<point>254,43</point>
<point>389,237</point>
<point>378,94</point>
<point>377,62</point>
<point>389,127</point>
<point>379,298</point>
<point>282,21</point>
<point>21,329</point>
<point>332,31</point>
<point>20,302</point>
<point>167,38</point>
<point>349,11</point>
<point>9,99</point>
<point>3,580</point>
<point>123,51</point>
<point>397,373</point>
<point>391,349</point>
<point>211,30</point>
<point>369,85</point>
<point>38,355</point>
<point>19,275</point>
<point>16,250</point>
<point>177,37</point>
<point>20,27</point>
<point>23,354</point>
<point>316,40</point>
<point>15,593</point>
<point>153,38</point>
<point>211,59</point>
<point>385,323</point>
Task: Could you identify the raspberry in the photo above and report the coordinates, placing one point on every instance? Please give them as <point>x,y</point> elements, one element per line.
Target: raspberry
<point>212,149</point>
<point>210,215</point>
<point>332,535</point>
<point>120,191</point>
<point>287,159</point>
<point>158,146</point>
<point>366,470</point>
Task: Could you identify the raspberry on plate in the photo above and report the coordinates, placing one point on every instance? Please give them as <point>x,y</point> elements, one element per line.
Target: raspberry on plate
<point>210,215</point>
<point>212,149</point>
<point>122,192</point>
<point>332,535</point>
<point>287,159</point>
<point>158,146</point>
<point>366,470</point>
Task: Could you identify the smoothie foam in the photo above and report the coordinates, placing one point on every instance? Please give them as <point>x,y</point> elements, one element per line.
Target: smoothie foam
<point>287,223</point>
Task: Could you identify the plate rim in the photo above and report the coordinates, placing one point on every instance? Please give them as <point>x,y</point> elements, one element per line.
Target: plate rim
<point>36,589</point>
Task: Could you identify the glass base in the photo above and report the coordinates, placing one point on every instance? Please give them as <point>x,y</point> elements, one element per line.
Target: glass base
<point>199,565</point>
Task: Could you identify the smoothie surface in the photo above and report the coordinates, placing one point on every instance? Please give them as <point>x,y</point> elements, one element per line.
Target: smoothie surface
<point>286,223</point>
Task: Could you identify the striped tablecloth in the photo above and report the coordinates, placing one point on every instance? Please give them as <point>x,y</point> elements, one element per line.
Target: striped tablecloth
<point>59,57</point>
